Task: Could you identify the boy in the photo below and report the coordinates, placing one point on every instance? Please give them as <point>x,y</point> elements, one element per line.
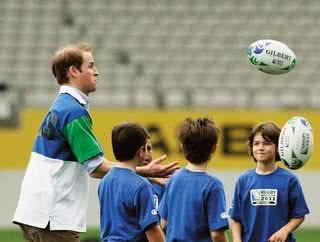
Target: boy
<point>127,209</point>
<point>158,184</point>
<point>268,203</point>
<point>193,205</point>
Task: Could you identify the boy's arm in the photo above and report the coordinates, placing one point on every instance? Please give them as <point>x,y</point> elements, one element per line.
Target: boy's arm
<point>236,230</point>
<point>219,236</point>
<point>155,234</point>
<point>282,234</point>
<point>163,224</point>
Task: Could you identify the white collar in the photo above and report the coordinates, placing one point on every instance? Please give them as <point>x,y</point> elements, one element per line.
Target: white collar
<point>76,93</point>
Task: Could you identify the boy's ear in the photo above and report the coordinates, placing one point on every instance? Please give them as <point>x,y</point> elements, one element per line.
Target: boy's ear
<point>214,147</point>
<point>139,152</point>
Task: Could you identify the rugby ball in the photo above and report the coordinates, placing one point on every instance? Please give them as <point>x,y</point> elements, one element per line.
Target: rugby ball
<point>271,56</point>
<point>295,142</point>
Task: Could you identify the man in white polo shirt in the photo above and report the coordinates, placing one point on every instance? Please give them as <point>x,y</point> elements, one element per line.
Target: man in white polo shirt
<point>54,193</point>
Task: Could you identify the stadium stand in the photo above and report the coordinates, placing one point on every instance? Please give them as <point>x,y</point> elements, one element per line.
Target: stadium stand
<point>167,53</point>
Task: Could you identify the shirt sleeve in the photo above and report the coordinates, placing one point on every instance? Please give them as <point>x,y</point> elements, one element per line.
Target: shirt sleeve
<point>216,209</point>
<point>297,204</point>
<point>92,164</point>
<point>81,139</point>
<point>146,210</point>
<point>234,211</point>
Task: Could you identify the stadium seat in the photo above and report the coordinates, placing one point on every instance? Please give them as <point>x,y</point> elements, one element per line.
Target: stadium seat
<point>185,45</point>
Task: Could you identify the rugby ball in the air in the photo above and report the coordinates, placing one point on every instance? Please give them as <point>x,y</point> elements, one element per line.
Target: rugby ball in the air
<point>295,142</point>
<point>271,56</point>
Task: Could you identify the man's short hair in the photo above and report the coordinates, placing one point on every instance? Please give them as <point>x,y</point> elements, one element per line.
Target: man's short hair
<point>270,131</point>
<point>66,57</point>
<point>127,139</point>
<point>198,138</point>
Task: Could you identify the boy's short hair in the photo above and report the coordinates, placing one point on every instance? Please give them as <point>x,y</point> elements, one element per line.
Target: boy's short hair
<point>71,55</point>
<point>127,138</point>
<point>198,138</point>
<point>270,131</point>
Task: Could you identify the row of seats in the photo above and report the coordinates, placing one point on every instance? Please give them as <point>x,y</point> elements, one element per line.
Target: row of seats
<point>189,47</point>
<point>179,98</point>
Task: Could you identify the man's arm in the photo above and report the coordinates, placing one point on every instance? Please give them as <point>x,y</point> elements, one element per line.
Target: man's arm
<point>236,230</point>
<point>155,234</point>
<point>102,169</point>
<point>155,169</point>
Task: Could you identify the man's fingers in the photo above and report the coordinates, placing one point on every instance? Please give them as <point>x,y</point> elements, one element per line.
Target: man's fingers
<point>160,159</point>
<point>173,164</point>
<point>170,168</point>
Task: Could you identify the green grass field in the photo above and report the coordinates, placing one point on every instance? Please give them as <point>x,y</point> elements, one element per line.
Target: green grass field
<point>302,235</point>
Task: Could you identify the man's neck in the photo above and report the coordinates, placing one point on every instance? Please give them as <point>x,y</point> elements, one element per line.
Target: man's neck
<point>77,90</point>
<point>67,87</point>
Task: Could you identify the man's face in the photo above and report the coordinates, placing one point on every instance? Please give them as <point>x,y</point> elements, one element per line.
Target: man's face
<point>86,78</point>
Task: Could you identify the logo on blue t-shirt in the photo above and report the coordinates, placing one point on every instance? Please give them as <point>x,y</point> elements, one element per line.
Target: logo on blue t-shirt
<point>224,215</point>
<point>156,201</point>
<point>264,197</point>
<point>154,212</point>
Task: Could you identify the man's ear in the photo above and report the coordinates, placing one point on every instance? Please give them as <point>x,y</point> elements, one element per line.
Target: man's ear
<point>72,71</point>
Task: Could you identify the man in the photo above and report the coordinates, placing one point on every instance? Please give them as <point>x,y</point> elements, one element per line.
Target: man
<point>54,193</point>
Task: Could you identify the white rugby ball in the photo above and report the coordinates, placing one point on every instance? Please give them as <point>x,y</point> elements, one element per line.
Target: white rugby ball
<point>271,56</point>
<point>296,142</point>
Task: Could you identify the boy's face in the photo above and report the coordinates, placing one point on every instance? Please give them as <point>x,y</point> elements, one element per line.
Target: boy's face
<point>263,150</point>
<point>148,153</point>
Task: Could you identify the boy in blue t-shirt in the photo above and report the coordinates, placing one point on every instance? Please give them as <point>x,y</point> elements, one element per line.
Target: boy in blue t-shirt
<point>158,184</point>
<point>127,209</point>
<point>193,205</point>
<point>268,202</point>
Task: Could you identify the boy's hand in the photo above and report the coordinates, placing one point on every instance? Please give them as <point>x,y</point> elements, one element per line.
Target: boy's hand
<point>155,169</point>
<point>279,236</point>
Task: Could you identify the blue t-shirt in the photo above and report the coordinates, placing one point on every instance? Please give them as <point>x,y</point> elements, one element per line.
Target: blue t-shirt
<point>265,203</point>
<point>193,205</point>
<point>158,191</point>
<point>126,206</point>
